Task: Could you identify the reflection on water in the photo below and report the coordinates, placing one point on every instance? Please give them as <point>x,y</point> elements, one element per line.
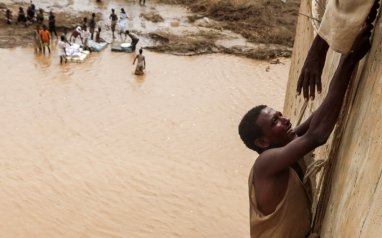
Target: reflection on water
<point>91,150</point>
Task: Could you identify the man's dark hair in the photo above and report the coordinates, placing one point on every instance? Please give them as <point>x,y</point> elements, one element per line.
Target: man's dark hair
<point>249,131</point>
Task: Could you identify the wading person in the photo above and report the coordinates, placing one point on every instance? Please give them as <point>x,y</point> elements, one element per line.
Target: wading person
<point>76,33</point>
<point>45,39</point>
<point>62,49</point>
<point>279,205</point>
<point>37,39</point>
<point>141,65</point>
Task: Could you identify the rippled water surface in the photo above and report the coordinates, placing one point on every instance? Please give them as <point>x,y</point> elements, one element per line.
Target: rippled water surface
<point>91,150</point>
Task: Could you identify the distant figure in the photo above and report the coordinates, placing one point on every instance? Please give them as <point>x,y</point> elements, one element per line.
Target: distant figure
<point>21,16</point>
<point>92,25</point>
<point>141,65</point>
<point>52,24</point>
<point>142,2</point>
<point>98,38</point>
<point>75,34</point>
<point>86,37</point>
<point>62,49</point>
<point>114,20</point>
<point>122,23</point>
<point>134,39</point>
<point>84,23</point>
<point>45,39</point>
<point>37,40</point>
<point>40,16</point>
<point>31,11</point>
<point>8,17</point>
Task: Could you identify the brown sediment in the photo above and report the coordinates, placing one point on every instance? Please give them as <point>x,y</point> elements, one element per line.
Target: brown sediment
<point>268,23</point>
<point>204,42</point>
<point>152,16</point>
<point>261,21</point>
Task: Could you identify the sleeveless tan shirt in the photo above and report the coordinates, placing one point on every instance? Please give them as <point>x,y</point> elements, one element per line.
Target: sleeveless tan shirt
<point>292,216</point>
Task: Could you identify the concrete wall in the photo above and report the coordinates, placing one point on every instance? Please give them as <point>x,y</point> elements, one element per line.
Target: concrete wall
<point>354,208</point>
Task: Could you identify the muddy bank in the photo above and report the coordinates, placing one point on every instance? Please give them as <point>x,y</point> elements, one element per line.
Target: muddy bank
<point>260,21</point>
<point>261,30</point>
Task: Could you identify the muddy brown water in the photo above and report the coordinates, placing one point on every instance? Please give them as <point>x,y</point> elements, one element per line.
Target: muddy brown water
<point>91,150</point>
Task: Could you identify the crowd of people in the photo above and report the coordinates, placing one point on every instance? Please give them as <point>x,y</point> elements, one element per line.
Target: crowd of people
<point>87,30</point>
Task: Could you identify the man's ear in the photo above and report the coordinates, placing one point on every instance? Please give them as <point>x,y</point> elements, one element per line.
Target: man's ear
<point>262,143</point>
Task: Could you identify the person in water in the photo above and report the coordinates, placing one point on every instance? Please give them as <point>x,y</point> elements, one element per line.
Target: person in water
<point>141,65</point>
<point>279,204</point>
<point>45,39</point>
<point>62,49</point>
<point>76,33</point>
<point>37,40</point>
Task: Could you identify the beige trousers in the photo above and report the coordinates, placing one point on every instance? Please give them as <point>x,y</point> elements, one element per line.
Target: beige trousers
<point>342,21</point>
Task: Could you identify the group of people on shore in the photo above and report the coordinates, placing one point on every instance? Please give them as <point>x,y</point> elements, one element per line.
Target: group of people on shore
<point>86,31</point>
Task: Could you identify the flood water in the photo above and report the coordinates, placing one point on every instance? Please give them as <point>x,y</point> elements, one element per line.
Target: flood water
<point>91,150</point>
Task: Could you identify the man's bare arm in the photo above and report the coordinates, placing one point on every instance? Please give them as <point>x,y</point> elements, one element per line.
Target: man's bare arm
<point>324,119</point>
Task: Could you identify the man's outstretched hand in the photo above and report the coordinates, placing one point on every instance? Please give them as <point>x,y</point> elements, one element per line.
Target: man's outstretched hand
<point>310,76</point>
